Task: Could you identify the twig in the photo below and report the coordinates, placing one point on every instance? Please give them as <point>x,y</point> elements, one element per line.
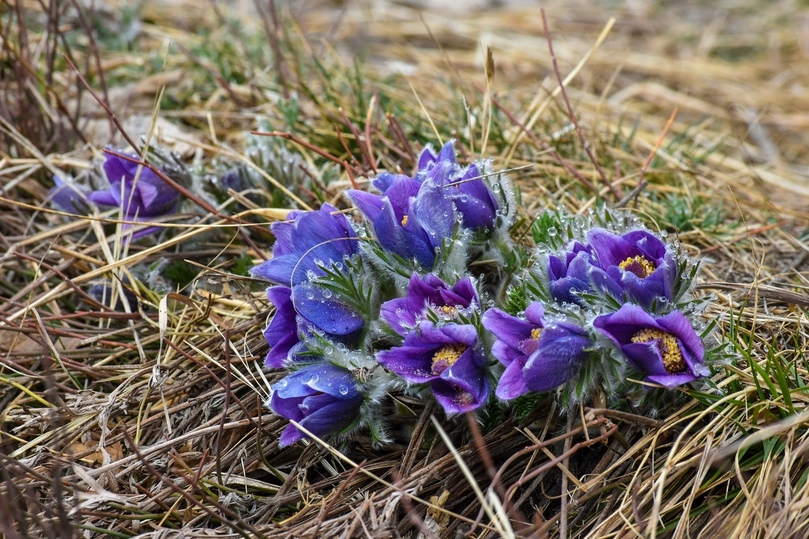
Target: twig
<point>641,180</point>
<point>571,113</point>
<point>545,147</point>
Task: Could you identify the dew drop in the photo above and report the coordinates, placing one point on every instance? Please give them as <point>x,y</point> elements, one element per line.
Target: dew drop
<point>327,294</point>
<point>314,379</point>
<point>552,232</point>
<point>343,390</point>
<point>328,351</point>
<point>310,295</point>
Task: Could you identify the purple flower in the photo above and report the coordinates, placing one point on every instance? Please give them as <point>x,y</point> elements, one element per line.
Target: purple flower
<point>636,264</point>
<point>303,310</point>
<point>322,398</point>
<point>569,273</point>
<point>428,293</point>
<point>413,215</point>
<point>471,196</point>
<point>537,356</point>
<point>306,242</point>
<point>410,219</point>
<point>282,331</point>
<point>665,348</point>
<point>138,191</point>
<point>448,359</point>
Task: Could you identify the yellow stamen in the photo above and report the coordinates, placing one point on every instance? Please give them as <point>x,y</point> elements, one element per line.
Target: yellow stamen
<point>404,220</point>
<point>535,333</point>
<point>673,359</point>
<point>639,265</point>
<point>447,356</point>
<point>446,311</point>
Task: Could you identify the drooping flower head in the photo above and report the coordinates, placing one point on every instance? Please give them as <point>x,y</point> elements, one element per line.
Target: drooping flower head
<point>665,348</point>
<point>322,398</point>
<point>305,243</point>
<point>428,293</point>
<point>537,356</point>
<point>447,358</point>
<point>302,310</point>
<point>636,264</point>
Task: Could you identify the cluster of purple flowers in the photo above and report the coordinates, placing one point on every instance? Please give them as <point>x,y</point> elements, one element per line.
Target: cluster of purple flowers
<point>636,271</point>
<point>363,311</point>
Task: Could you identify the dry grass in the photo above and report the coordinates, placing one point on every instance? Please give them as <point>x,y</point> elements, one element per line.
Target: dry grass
<point>145,416</point>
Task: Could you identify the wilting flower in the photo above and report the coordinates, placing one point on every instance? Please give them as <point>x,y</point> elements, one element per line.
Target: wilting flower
<point>537,356</point>
<point>322,398</point>
<point>428,293</point>
<point>637,264</point>
<point>305,243</point>
<point>448,359</point>
<point>410,219</point>
<point>303,310</point>
<point>569,273</point>
<point>665,348</point>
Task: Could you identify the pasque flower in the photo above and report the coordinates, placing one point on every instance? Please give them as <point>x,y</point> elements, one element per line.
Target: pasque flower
<point>428,293</point>
<point>305,242</point>
<point>665,348</point>
<point>636,264</point>
<point>303,310</point>
<point>323,398</point>
<point>412,216</point>
<point>140,193</point>
<point>447,358</point>
<point>466,188</point>
<point>537,356</point>
<point>411,219</point>
<point>569,272</point>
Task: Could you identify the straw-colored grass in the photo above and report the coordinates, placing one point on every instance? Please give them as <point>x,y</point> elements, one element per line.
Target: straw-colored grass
<point>146,417</point>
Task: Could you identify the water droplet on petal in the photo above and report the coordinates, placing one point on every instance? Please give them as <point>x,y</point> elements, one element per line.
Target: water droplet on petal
<point>343,390</point>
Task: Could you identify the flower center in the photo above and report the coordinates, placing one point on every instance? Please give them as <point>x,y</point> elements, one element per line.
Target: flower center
<point>639,265</point>
<point>530,345</point>
<point>673,359</point>
<point>404,220</point>
<point>447,356</point>
<point>447,312</point>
